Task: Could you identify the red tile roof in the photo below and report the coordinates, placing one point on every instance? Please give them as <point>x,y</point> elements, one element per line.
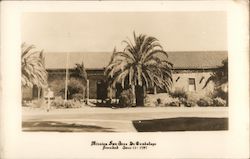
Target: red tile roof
<point>99,60</point>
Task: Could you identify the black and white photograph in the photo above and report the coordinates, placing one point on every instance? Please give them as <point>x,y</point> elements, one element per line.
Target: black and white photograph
<point>124,72</point>
<point>124,79</point>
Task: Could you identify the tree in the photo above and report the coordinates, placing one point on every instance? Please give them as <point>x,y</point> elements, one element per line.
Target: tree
<point>33,69</point>
<point>82,74</point>
<point>220,79</point>
<point>142,64</point>
<point>220,75</point>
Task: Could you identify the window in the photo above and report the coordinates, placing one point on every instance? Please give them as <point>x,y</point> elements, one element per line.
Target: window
<point>191,84</point>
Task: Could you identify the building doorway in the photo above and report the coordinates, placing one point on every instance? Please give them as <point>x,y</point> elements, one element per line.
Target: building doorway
<point>101,91</point>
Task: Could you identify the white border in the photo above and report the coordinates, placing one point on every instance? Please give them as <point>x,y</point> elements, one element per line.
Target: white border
<point>223,144</point>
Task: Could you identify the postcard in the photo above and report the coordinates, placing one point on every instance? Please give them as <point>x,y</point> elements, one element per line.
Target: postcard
<point>107,79</point>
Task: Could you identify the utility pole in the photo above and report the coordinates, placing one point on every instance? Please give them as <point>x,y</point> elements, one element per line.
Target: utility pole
<point>67,72</point>
<point>66,78</point>
<point>87,92</point>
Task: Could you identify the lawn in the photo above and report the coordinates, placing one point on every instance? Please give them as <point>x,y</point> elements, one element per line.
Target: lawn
<point>156,125</point>
<point>54,126</point>
<point>181,124</point>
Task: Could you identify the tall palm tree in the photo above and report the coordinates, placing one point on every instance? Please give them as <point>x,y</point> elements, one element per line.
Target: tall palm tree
<point>33,70</point>
<point>142,63</point>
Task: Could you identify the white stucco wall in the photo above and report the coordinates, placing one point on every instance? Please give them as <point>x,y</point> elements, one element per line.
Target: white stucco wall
<point>183,81</point>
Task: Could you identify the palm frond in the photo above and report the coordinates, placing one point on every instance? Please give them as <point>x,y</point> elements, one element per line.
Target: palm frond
<point>143,62</point>
<point>33,70</point>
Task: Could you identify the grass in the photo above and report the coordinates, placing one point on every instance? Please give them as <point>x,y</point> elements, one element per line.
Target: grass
<point>53,126</point>
<point>181,124</point>
<point>157,125</point>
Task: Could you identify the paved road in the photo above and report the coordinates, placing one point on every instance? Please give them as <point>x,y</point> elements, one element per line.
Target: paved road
<point>118,119</point>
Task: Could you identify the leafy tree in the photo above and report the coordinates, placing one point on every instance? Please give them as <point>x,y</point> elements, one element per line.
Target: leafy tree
<point>142,63</point>
<point>74,87</point>
<point>33,69</point>
<point>82,74</point>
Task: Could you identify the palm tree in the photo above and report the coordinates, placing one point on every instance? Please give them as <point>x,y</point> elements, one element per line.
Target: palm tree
<point>141,64</point>
<point>82,74</point>
<point>220,76</point>
<point>220,79</point>
<point>33,70</point>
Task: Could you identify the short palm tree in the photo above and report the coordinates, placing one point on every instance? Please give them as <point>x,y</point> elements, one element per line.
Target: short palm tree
<point>220,76</point>
<point>142,63</point>
<point>220,79</point>
<point>33,70</point>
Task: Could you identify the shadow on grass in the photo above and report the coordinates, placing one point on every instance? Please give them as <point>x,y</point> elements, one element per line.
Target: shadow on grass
<point>181,124</point>
<point>61,127</point>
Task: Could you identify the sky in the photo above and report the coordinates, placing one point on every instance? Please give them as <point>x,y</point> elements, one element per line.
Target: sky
<point>102,31</point>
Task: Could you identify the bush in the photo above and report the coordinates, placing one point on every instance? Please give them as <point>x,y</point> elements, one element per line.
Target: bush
<point>126,98</point>
<point>77,97</point>
<point>178,93</point>
<point>74,87</point>
<point>220,94</point>
<point>219,102</point>
<point>150,101</point>
<point>187,99</point>
<point>38,103</point>
<point>189,103</point>
<point>174,104</point>
<point>59,103</point>
<point>159,101</point>
<point>205,101</point>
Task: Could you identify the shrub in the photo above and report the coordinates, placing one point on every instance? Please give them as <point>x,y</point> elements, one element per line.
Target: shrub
<point>57,103</point>
<point>194,96</point>
<point>69,104</point>
<point>175,104</point>
<point>178,93</point>
<point>187,99</point>
<point>183,100</point>
<point>159,101</point>
<point>74,87</point>
<point>205,101</point>
<point>172,102</point>
<point>221,94</point>
<point>189,103</point>
<point>202,103</point>
<point>126,98</point>
<point>77,97</point>
<point>38,103</point>
<point>219,102</point>
<point>150,101</point>
<point>60,103</point>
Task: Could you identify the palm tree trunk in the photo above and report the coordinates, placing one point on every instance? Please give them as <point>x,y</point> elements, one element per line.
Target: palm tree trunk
<point>139,93</point>
<point>155,90</point>
<point>134,97</point>
<point>38,92</point>
<point>87,92</point>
